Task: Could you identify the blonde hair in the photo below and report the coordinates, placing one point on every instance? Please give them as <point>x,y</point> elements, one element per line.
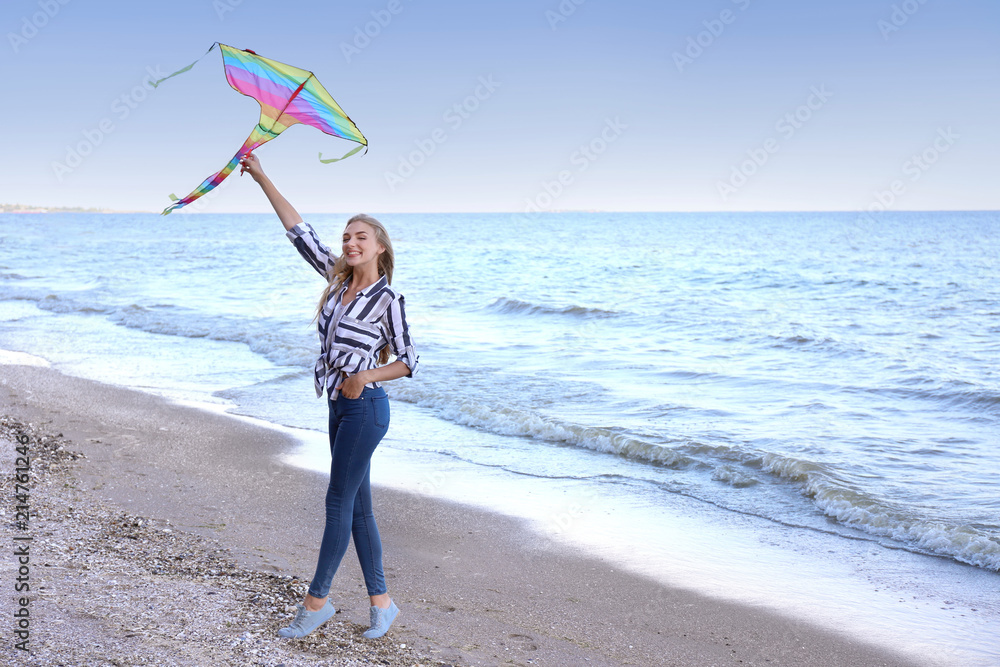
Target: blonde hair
<point>341,273</point>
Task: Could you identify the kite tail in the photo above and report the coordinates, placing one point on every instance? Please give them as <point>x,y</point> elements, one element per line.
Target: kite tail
<point>154,84</point>
<point>212,181</point>
<point>345,155</point>
<point>207,185</point>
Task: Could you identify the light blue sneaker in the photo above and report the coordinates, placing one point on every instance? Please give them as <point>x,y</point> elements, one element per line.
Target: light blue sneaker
<point>306,621</point>
<point>381,619</point>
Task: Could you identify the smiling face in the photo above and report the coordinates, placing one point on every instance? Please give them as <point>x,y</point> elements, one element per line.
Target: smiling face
<point>360,246</point>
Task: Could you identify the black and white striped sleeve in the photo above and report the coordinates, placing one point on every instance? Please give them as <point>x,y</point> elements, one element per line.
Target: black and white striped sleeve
<point>400,343</point>
<point>311,248</point>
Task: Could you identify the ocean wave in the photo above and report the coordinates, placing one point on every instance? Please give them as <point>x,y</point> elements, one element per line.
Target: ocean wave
<point>45,300</point>
<point>285,344</point>
<point>861,282</point>
<point>799,340</point>
<point>513,469</point>
<point>733,476</point>
<point>55,303</point>
<point>734,466</point>
<point>265,337</point>
<point>976,397</point>
<point>962,542</point>
<point>508,420</point>
<point>505,305</point>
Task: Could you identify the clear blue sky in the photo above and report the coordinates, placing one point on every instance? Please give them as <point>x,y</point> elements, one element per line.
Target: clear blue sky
<point>672,125</point>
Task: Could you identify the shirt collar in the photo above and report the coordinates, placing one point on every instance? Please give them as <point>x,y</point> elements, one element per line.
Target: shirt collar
<point>371,289</point>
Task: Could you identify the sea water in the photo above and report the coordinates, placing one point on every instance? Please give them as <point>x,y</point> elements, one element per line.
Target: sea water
<point>799,410</point>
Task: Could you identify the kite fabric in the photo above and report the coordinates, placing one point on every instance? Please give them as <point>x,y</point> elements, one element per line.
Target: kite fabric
<point>287,95</point>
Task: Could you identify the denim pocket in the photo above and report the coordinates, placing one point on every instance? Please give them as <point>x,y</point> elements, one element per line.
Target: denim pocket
<point>380,406</point>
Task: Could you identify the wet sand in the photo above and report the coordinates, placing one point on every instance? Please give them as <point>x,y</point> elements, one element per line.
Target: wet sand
<point>474,588</point>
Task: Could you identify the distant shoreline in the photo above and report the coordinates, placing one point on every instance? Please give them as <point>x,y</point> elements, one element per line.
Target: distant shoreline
<point>24,209</point>
<point>21,208</point>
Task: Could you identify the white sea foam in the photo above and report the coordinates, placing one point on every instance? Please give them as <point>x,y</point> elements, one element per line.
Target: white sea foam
<point>509,420</point>
<point>857,509</point>
<point>9,357</point>
<point>506,305</point>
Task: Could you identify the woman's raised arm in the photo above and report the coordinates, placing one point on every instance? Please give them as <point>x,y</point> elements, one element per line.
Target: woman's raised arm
<point>286,212</point>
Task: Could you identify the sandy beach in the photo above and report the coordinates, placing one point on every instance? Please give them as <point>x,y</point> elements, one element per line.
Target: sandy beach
<point>178,537</point>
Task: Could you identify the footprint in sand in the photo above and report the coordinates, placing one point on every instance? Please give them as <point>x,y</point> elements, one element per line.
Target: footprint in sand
<point>524,642</point>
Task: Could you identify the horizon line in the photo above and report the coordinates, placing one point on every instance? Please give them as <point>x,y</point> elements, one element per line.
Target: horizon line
<point>37,210</point>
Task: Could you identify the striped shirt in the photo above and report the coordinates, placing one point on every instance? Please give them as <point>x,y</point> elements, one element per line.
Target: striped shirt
<point>351,336</point>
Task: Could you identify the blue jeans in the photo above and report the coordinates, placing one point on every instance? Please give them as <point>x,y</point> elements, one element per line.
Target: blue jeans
<point>357,425</point>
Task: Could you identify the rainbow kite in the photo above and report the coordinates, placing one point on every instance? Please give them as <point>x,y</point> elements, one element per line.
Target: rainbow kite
<point>287,95</point>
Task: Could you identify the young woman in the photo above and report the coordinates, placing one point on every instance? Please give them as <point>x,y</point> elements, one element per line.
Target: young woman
<point>361,319</point>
